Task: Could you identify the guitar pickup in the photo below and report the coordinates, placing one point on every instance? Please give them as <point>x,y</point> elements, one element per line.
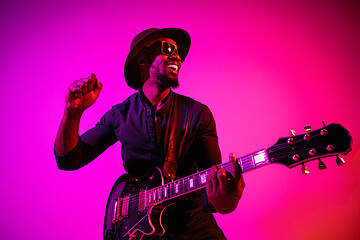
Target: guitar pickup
<point>142,201</point>
<point>121,209</point>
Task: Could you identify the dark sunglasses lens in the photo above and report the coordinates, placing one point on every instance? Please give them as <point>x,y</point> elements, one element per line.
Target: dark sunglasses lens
<point>168,48</point>
<point>182,54</point>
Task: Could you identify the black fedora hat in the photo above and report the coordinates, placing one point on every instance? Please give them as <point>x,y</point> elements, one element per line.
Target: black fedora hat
<point>145,39</point>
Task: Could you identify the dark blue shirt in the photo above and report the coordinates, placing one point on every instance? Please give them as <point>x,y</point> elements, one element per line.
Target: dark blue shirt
<point>141,128</point>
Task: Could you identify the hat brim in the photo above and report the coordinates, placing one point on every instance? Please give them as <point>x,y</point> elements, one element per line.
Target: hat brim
<point>131,69</point>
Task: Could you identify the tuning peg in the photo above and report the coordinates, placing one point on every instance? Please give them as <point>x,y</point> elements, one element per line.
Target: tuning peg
<point>307,128</point>
<point>305,170</point>
<point>339,160</point>
<point>292,132</point>
<point>322,165</point>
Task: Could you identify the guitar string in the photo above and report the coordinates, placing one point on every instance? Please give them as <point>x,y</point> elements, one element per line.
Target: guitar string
<point>134,199</point>
<point>171,186</point>
<point>273,150</point>
<point>280,146</point>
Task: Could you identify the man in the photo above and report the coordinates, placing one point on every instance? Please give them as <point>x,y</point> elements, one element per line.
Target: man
<point>156,128</point>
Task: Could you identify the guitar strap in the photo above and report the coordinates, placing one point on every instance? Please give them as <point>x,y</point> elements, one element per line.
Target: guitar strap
<point>176,133</point>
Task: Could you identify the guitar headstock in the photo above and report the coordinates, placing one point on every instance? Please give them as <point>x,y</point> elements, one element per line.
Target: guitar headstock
<point>330,140</point>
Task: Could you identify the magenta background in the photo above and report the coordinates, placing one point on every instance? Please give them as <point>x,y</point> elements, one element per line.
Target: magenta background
<point>262,67</point>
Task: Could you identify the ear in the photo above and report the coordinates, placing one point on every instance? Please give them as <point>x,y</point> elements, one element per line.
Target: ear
<point>143,64</point>
<point>143,59</point>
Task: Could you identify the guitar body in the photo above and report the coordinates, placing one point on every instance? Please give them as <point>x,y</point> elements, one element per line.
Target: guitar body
<point>136,221</point>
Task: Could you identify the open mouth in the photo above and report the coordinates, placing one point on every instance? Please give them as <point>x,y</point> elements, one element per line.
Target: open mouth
<point>173,67</point>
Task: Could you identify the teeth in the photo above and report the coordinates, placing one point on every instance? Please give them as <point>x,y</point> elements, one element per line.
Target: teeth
<point>174,67</point>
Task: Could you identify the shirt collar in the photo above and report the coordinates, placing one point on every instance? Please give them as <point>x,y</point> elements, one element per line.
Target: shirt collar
<point>164,105</point>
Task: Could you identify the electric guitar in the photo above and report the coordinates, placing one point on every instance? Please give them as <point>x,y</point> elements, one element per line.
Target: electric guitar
<point>134,207</point>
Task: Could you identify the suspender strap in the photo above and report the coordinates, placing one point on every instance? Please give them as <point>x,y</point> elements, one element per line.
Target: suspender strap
<point>175,134</point>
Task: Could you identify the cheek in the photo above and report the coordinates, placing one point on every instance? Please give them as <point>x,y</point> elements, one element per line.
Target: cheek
<point>158,63</point>
<point>151,59</point>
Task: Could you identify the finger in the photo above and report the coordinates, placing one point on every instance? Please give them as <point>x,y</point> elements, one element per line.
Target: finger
<point>213,177</point>
<point>69,95</point>
<point>75,89</point>
<point>84,88</point>
<point>222,178</point>
<point>81,81</point>
<point>78,83</point>
<point>97,86</point>
<point>91,82</point>
<point>242,181</point>
<point>235,167</point>
<point>209,185</point>
<point>80,86</point>
<point>88,84</point>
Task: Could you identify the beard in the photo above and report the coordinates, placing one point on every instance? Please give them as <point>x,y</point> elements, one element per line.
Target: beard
<point>167,82</point>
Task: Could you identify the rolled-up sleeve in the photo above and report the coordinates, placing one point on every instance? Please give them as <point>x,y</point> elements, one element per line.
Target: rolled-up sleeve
<point>208,141</point>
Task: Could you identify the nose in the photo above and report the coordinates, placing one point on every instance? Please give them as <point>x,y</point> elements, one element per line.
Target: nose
<point>176,56</point>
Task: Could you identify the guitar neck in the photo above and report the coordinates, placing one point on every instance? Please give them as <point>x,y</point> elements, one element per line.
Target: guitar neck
<point>198,180</point>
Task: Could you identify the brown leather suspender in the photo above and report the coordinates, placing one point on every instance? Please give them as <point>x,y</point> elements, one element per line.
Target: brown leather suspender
<point>175,134</point>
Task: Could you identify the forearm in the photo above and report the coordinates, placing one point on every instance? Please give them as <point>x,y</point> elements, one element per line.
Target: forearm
<point>68,134</point>
<point>73,152</point>
<point>81,94</point>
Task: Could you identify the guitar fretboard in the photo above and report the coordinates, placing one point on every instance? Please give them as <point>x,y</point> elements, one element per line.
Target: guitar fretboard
<point>198,180</point>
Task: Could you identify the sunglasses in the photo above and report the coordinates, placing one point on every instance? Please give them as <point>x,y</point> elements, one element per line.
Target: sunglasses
<point>169,49</point>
